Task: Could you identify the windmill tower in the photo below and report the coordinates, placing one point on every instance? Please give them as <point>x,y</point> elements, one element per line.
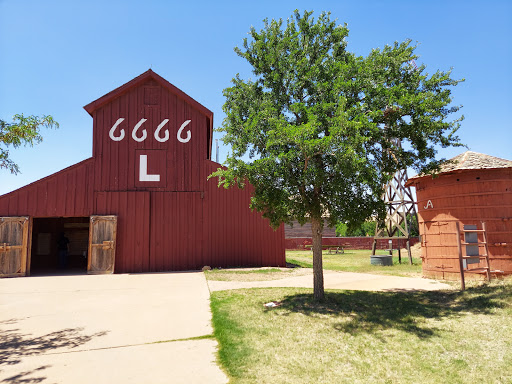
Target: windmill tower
<point>401,216</point>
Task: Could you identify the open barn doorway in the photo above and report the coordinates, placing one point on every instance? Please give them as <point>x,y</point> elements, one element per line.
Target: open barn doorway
<point>59,245</point>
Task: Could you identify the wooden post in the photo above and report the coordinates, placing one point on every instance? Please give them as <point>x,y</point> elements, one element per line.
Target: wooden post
<point>488,270</point>
<point>462,283</point>
<point>408,245</point>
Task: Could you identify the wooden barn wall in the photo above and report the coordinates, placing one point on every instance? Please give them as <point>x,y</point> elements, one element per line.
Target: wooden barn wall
<point>66,193</point>
<point>133,227</point>
<point>181,222</point>
<point>236,236</point>
<point>177,238</point>
<point>468,197</point>
<point>174,231</point>
<point>178,163</point>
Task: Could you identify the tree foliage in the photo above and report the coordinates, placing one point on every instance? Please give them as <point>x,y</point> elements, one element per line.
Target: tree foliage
<point>368,229</point>
<point>365,229</point>
<point>315,131</point>
<point>22,131</point>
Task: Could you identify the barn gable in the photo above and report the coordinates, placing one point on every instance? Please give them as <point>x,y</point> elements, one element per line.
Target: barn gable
<point>149,135</point>
<point>149,75</point>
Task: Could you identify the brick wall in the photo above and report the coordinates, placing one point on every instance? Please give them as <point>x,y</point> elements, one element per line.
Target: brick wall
<point>352,242</point>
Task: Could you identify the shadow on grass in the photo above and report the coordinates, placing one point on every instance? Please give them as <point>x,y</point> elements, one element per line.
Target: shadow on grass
<point>365,312</point>
<point>15,345</point>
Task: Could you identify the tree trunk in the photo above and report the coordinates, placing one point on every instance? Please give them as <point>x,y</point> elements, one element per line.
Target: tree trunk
<point>318,272</point>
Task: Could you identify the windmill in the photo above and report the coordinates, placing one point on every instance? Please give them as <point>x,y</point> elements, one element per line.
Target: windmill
<point>401,216</point>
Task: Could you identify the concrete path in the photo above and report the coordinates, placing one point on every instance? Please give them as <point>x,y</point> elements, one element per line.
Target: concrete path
<point>339,280</point>
<point>130,328</point>
<point>107,329</point>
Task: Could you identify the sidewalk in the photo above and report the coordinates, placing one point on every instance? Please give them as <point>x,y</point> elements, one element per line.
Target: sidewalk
<point>338,280</point>
<point>107,329</point>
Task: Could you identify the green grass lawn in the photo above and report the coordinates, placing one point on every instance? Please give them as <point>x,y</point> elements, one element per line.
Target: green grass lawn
<point>357,261</point>
<point>366,337</point>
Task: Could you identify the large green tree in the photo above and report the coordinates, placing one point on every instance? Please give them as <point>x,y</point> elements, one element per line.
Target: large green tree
<point>315,131</point>
<point>21,131</point>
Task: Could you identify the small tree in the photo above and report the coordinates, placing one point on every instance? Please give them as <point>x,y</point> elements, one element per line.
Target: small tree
<point>314,132</point>
<point>22,131</point>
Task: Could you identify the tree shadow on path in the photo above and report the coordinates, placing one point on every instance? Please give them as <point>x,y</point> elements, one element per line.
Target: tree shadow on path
<point>14,345</point>
<point>357,312</point>
<point>27,376</point>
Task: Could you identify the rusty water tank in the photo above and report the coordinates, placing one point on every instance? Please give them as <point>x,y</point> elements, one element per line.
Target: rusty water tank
<point>470,189</point>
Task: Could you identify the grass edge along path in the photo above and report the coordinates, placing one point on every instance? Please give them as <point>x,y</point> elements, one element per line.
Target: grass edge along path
<point>361,337</point>
<point>350,261</point>
<point>357,261</point>
<point>252,274</point>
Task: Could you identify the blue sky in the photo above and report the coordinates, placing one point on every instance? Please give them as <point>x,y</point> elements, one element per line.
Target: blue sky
<point>57,56</point>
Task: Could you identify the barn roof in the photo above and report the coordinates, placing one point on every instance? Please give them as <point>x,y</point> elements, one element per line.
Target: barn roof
<point>470,160</point>
<point>149,74</point>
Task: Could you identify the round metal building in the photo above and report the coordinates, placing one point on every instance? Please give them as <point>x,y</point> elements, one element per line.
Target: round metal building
<point>470,189</point>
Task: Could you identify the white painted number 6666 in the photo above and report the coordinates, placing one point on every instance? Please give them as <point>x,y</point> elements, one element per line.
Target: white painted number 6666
<point>144,135</point>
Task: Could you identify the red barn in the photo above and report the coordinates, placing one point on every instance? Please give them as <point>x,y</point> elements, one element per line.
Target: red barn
<point>142,202</point>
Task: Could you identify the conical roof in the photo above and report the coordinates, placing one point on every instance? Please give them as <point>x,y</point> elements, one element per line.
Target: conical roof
<point>467,161</point>
<point>474,160</point>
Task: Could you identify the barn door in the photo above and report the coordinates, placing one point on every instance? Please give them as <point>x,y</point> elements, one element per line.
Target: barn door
<point>102,244</point>
<point>13,246</point>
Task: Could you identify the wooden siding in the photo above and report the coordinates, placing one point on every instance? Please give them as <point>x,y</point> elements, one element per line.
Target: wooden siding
<point>236,235</point>
<point>133,220</point>
<point>179,222</point>
<point>68,193</point>
<point>173,231</point>
<point>118,161</point>
<point>177,241</point>
<point>469,197</point>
